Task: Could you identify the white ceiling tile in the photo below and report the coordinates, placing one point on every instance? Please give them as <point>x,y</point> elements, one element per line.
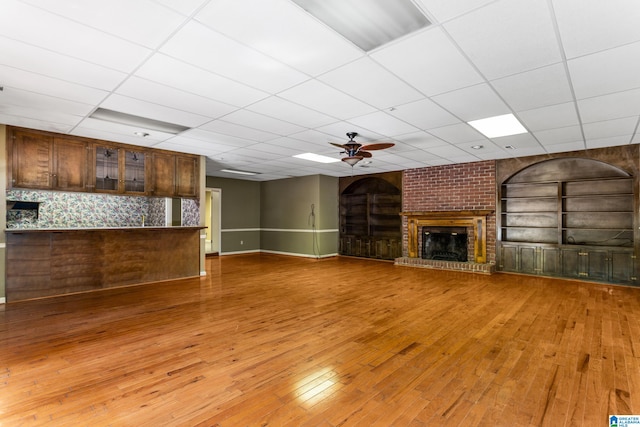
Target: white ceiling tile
<point>607,107</point>
<point>199,140</point>
<point>41,61</point>
<point>553,116</point>
<point>34,123</point>
<point>281,30</point>
<point>565,147</point>
<point>34,100</point>
<point>157,93</point>
<point>422,140</point>
<point>33,82</point>
<point>610,128</point>
<point>221,139</point>
<point>608,142</point>
<point>30,113</point>
<point>424,114</point>
<point>312,136</point>
<point>77,40</point>
<point>443,10</point>
<point>177,74</point>
<point>136,107</point>
<point>588,26</point>
<point>605,72</point>
<point>383,123</point>
<point>555,136</point>
<point>429,62</point>
<point>472,103</point>
<point>282,109</point>
<point>241,63</point>
<point>368,81</point>
<point>494,37</point>
<point>262,122</point>
<point>296,146</point>
<point>457,134</point>
<point>232,129</point>
<point>184,7</point>
<point>519,142</point>
<point>536,88</point>
<point>145,22</point>
<point>447,151</point>
<point>325,99</point>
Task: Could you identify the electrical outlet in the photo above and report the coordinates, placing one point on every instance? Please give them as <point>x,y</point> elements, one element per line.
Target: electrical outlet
<point>242,242</point>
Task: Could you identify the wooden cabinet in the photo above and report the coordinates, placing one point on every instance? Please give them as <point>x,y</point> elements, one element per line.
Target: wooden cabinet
<point>119,170</point>
<point>187,174</point>
<point>175,175</point>
<point>570,226</point>
<point>42,161</point>
<point>163,167</point>
<point>46,161</point>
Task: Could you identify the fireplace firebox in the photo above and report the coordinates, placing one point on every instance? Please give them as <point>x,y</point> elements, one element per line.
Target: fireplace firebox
<point>444,243</point>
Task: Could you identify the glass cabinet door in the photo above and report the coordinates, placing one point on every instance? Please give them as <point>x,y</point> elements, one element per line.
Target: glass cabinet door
<point>134,172</point>
<point>107,168</point>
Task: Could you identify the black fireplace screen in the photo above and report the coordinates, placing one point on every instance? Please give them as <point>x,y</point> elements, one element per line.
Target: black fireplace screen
<point>444,243</point>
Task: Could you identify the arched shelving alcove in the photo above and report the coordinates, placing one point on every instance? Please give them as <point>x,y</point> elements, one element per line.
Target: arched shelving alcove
<point>370,224</point>
<point>569,217</point>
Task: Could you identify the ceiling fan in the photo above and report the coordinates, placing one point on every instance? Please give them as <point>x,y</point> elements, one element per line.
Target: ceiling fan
<point>356,151</point>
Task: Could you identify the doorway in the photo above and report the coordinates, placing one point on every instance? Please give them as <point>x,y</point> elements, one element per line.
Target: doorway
<point>213,197</point>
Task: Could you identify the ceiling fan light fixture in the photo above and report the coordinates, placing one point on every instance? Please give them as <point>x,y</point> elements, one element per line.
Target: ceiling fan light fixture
<point>352,160</point>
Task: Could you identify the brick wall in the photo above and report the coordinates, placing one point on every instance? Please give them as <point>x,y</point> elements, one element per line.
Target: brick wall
<point>460,187</point>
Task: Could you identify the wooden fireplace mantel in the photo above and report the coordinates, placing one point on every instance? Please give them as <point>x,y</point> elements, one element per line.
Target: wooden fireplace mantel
<point>477,219</point>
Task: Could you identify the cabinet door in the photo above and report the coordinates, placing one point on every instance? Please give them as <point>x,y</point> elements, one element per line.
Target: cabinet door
<point>164,171</point>
<point>187,176</point>
<point>549,261</point>
<point>135,172</point>
<point>570,262</point>
<point>106,169</point>
<point>597,263</point>
<point>622,267</point>
<point>528,260</point>
<point>509,258</point>
<point>69,164</point>
<point>32,160</point>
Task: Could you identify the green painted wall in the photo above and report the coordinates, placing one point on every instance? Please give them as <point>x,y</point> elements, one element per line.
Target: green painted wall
<point>240,210</point>
<point>299,216</point>
<point>276,216</point>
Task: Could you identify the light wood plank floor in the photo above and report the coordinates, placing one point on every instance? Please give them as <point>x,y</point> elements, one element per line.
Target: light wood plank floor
<point>282,341</point>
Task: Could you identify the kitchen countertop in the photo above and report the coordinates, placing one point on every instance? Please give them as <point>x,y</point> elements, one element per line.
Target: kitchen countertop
<point>65,230</point>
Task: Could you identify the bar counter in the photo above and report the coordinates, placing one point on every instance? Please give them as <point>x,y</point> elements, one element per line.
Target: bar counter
<point>48,262</point>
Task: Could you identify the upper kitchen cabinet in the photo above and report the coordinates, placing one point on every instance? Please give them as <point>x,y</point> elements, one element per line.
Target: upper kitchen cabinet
<point>119,170</point>
<point>43,161</point>
<point>174,175</point>
<point>187,176</point>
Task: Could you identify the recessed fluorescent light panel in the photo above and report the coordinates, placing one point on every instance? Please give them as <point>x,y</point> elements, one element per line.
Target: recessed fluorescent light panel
<point>316,158</point>
<point>367,23</point>
<point>238,172</point>
<point>137,121</point>
<point>495,127</point>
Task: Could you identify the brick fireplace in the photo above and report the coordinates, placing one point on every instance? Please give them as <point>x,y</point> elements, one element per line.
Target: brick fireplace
<point>461,195</point>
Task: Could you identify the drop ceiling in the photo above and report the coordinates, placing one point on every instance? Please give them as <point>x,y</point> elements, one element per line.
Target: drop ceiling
<point>258,81</point>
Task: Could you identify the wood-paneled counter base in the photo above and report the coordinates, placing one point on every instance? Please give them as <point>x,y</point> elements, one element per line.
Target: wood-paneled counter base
<point>42,263</point>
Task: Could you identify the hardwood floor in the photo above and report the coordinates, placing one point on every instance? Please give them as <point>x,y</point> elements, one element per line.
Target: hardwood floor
<point>282,341</point>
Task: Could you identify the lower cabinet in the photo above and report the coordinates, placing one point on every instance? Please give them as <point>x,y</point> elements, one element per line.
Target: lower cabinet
<point>380,248</point>
<point>610,265</point>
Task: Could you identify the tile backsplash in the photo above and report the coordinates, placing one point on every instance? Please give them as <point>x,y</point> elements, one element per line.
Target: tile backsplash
<point>82,210</point>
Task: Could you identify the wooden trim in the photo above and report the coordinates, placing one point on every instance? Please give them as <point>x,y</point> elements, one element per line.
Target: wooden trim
<point>476,219</point>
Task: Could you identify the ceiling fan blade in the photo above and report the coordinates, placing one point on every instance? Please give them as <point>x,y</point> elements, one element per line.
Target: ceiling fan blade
<point>344,147</point>
<point>364,154</point>
<point>377,146</point>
